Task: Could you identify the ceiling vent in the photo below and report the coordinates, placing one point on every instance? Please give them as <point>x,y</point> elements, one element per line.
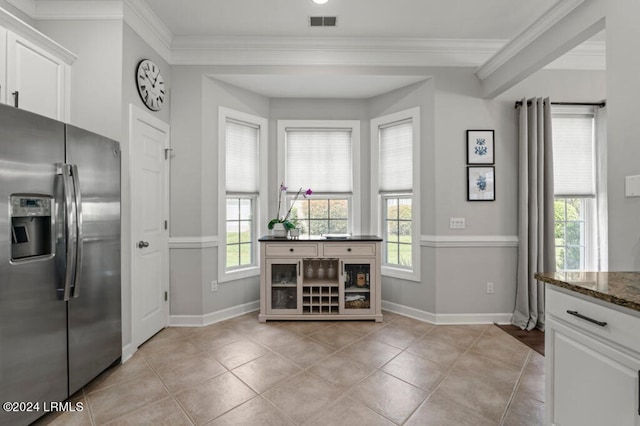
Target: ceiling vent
<point>323,21</point>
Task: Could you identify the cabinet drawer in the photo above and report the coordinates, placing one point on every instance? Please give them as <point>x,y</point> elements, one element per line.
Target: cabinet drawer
<point>621,328</point>
<point>296,250</point>
<point>346,249</point>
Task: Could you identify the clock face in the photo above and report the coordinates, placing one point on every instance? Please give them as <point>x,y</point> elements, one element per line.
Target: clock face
<point>150,85</point>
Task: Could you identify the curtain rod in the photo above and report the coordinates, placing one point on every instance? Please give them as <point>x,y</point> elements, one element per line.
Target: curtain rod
<point>600,104</point>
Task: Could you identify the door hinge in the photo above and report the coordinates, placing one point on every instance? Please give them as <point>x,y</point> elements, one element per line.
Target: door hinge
<point>166,296</point>
<point>167,153</point>
<point>166,225</point>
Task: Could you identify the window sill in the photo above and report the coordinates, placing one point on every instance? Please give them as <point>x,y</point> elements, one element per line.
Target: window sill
<point>403,274</point>
<point>238,274</point>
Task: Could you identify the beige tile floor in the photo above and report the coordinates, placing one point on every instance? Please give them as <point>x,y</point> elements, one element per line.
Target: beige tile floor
<point>241,372</point>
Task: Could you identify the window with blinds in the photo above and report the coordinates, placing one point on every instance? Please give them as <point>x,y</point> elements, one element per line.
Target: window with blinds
<point>574,173</point>
<point>320,159</point>
<point>241,157</point>
<point>396,177</point>
<point>241,183</point>
<point>395,188</point>
<point>396,154</point>
<point>573,155</point>
<point>322,156</point>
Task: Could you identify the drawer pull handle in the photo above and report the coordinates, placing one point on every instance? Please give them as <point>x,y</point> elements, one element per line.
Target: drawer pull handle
<point>291,249</point>
<point>579,315</point>
<point>349,249</point>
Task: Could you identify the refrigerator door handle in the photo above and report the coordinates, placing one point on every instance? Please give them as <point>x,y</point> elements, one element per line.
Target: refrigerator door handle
<point>78,224</point>
<point>71,236</point>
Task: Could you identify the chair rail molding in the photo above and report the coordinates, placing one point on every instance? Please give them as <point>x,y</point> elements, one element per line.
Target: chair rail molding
<point>200,242</point>
<point>461,241</point>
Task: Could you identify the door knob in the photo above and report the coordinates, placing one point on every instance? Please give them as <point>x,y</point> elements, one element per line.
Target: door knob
<point>143,244</point>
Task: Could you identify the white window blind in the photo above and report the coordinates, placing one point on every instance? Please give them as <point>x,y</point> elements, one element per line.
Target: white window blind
<point>319,159</point>
<point>396,153</point>
<point>573,155</point>
<point>241,152</point>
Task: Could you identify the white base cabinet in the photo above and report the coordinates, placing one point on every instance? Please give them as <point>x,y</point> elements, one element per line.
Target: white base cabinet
<point>317,280</point>
<point>592,368</point>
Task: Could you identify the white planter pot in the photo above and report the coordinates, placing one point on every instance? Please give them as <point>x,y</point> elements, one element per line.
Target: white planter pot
<point>279,230</point>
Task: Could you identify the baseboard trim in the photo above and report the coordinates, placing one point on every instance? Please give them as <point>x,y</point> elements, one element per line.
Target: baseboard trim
<point>213,317</point>
<point>447,319</point>
<point>127,352</point>
<point>437,319</point>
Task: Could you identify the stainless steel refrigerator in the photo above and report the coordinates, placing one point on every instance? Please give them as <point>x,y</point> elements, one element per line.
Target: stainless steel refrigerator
<point>60,307</point>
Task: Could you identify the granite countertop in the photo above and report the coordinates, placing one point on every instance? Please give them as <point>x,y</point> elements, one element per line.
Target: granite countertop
<point>620,288</point>
<point>352,238</point>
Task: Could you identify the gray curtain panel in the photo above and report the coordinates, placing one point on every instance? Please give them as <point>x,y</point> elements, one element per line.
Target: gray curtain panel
<point>536,250</point>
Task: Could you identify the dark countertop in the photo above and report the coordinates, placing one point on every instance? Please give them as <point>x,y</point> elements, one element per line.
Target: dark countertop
<point>352,238</point>
<point>620,288</point>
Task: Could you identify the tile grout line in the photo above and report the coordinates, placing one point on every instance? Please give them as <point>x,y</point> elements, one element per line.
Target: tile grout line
<point>516,387</point>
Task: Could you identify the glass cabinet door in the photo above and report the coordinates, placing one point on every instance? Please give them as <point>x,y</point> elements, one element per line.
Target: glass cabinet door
<point>283,295</point>
<point>357,282</point>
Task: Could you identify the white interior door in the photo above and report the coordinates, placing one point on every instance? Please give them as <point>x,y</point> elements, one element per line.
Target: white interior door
<point>149,212</point>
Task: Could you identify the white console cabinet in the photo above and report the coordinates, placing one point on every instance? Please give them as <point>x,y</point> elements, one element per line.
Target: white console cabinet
<point>320,279</point>
<point>592,362</point>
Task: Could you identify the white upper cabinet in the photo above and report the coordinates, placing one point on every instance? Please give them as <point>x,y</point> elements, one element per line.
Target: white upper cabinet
<point>35,71</point>
<point>36,79</point>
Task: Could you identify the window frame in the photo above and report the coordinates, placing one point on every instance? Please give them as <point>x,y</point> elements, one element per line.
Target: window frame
<point>328,197</point>
<point>260,200</point>
<point>589,201</point>
<point>588,204</point>
<point>354,219</point>
<point>378,211</point>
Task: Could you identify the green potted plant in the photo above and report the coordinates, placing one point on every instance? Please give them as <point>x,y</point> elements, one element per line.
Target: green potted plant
<point>280,226</point>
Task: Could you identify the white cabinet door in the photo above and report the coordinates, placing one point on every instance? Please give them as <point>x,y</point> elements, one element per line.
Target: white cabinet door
<point>38,78</point>
<point>590,383</point>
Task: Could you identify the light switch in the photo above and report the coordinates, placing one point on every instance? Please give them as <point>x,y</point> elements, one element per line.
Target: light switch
<point>456,223</point>
<point>632,186</point>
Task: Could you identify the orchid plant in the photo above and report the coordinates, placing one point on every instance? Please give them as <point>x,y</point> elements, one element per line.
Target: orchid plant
<point>288,224</point>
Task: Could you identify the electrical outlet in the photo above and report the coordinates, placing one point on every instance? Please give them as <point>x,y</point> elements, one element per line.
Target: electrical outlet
<point>456,223</point>
<point>489,287</point>
<point>214,285</point>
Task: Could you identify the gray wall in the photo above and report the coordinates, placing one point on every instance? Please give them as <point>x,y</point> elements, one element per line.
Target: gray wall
<point>623,135</point>
<point>453,279</point>
<point>194,190</point>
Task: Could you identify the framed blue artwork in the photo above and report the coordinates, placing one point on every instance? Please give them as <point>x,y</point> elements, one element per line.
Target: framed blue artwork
<point>481,183</point>
<point>480,145</point>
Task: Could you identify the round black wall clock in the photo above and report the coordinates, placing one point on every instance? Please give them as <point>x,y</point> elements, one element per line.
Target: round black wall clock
<point>150,85</point>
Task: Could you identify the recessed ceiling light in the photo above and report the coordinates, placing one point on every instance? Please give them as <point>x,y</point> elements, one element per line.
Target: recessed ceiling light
<point>320,1</point>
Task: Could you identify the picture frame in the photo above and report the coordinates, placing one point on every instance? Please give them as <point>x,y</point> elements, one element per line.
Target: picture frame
<point>481,183</point>
<point>480,147</point>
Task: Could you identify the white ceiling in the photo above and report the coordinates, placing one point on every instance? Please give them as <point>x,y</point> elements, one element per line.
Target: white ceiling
<point>468,32</point>
<point>429,19</point>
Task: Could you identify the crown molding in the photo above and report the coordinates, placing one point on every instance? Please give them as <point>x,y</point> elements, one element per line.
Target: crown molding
<point>18,26</point>
<point>144,21</point>
<point>75,10</point>
<point>28,7</point>
<point>189,50</point>
<point>136,13</point>
<point>486,55</point>
<point>535,30</point>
